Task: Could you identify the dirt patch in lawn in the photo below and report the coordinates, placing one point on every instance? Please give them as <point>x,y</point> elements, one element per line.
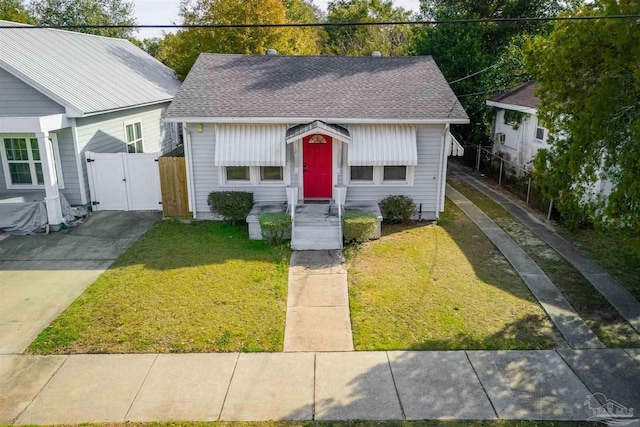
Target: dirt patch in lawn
<point>200,287</point>
<point>441,287</point>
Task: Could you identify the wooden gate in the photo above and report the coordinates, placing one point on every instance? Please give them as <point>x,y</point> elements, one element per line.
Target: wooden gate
<point>173,183</point>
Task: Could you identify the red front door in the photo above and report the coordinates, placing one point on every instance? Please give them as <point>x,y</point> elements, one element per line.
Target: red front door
<point>316,158</point>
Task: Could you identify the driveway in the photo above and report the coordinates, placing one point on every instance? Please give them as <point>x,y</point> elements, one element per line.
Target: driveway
<point>41,275</point>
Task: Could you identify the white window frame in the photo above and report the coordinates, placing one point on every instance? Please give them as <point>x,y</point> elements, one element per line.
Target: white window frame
<point>141,139</point>
<point>544,135</point>
<point>378,178</point>
<point>254,178</point>
<point>5,162</point>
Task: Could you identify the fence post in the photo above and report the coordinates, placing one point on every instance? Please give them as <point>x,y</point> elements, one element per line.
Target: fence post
<point>478,159</point>
<point>500,178</point>
<point>528,190</point>
<point>550,209</point>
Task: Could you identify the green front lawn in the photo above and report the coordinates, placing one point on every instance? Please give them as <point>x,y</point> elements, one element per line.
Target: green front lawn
<point>200,287</point>
<point>598,314</point>
<point>441,287</point>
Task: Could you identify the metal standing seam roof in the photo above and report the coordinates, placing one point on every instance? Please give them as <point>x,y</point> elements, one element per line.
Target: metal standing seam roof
<point>86,73</point>
<point>316,87</point>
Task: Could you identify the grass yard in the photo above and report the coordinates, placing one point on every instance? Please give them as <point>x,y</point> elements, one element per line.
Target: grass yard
<point>441,287</point>
<point>600,316</point>
<point>199,287</point>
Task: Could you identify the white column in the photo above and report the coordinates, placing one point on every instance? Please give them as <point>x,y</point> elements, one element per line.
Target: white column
<point>52,194</point>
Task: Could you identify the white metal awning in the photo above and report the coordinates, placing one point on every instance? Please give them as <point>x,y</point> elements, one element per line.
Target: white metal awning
<point>250,145</point>
<point>383,145</point>
<point>453,147</point>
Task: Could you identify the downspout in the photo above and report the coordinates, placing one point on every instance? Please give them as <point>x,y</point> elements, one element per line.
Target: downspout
<point>439,194</point>
<point>189,159</point>
<point>81,179</point>
<point>445,160</point>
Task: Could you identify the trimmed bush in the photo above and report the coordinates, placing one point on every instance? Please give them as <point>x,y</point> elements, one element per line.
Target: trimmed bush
<point>274,226</point>
<point>359,227</point>
<point>233,206</point>
<point>397,209</point>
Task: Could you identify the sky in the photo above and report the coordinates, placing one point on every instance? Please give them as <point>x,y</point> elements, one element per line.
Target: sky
<point>166,12</point>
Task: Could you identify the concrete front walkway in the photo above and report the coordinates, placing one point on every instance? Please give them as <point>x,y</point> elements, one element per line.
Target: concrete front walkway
<point>41,275</point>
<point>318,303</point>
<point>574,330</point>
<point>397,385</point>
<point>609,287</point>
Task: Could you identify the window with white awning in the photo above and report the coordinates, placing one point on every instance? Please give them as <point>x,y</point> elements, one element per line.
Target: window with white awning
<point>250,145</point>
<point>383,145</point>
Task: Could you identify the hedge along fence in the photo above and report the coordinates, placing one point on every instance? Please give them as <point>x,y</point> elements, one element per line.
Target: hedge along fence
<point>359,227</point>
<point>233,206</point>
<point>274,226</point>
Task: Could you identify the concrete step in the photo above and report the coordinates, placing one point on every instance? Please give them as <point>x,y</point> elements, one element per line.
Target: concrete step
<point>316,237</point>
<point>329,221</point>
<point>315,245</point>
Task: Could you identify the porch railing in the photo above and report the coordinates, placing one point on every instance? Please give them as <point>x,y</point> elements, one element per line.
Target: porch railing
<point>340,196</point>
<point>292,202</point>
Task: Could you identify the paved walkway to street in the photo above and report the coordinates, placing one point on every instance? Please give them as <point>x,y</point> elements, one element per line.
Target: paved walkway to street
<point>612,290</point>
<point>574,330</point>
<point>318,303</point>
<point>538,385</point>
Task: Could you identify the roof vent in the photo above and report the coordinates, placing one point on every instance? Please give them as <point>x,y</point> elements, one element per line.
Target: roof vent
<point>272,52</point>
<point>376,53</point>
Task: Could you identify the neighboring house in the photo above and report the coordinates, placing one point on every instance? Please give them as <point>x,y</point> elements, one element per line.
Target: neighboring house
<point>518,133</point>
<point>63,94</point>
<point>302,129</point>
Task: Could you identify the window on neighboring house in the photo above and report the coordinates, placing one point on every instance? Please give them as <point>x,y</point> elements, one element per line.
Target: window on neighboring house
<point>238,173</point>
<point>133,133</point>
<point>271,173</point>
<point>540,133</point>
<point>23,161</point>
<point>395,173</point>
<point>362,173</point>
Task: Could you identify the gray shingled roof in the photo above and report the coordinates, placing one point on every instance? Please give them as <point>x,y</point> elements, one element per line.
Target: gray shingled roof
<point>321,87</point>
<point>523,96</point>
<point>85,73</point>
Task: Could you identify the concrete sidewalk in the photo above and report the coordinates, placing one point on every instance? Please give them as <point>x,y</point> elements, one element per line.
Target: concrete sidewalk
<point>318,303</point>
<point>398,385</point>
<point>608,286</point>
<point>572,327</point>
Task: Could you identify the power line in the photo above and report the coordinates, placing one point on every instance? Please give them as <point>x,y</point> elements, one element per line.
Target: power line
<point>330,24</point>
<point>474,74</point>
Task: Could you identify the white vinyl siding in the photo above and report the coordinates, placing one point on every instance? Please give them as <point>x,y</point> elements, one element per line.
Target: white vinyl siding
<point>18,99</point>
<point>206,175</point>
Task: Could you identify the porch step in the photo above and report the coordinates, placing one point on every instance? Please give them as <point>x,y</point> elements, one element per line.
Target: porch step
<point>323,236</point>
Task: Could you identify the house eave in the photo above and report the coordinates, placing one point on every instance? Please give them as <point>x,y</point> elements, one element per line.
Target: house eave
<point>289,120</point>
<point>513,107</point>
<point>128,107</point>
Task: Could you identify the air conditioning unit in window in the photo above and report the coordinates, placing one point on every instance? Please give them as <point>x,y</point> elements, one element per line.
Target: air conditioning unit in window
<point>500,138</point>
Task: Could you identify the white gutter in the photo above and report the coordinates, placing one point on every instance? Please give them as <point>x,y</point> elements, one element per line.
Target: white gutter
<point>190,181</point>
<point>512,107</point>
<point>289,120</point>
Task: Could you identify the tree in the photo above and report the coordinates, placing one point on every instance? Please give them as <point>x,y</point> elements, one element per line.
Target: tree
<point>179,51</point>
<point>87,12</point>
<point>15,11</point>
<point>151,45</point>
<point>390,40</point>
<point>463,49</point>
<point>589,84</point>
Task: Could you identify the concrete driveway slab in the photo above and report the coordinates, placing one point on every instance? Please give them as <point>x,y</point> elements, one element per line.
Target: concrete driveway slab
<point>90,388</point>
<point>185,387</point>
<point>533,385</point>
<point>355,386</point>
<point>41,275</point>
<point>611,372</point>
<point>21,379</point>
<point>271,386</point>
<point>318,329</point>
<point>439,385</point>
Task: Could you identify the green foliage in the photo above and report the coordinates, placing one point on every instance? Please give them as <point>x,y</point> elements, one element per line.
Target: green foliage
<point>589,84</point>
<point>362,40</point>
<point>359,227</point>
<point>397,209</point>
<point>87,12</point>
<point>274,226</point>
<point>513,118</point>
<point>15,11</point>
<point>179,51</point>
<point>233,206</point>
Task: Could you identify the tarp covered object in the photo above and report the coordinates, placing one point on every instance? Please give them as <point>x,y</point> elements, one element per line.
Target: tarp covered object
<point>27,213</point>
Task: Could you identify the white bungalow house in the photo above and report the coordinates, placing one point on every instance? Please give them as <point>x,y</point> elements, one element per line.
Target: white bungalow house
<point>518,133</point>
<point>300,131</point>
<point>63,94</point>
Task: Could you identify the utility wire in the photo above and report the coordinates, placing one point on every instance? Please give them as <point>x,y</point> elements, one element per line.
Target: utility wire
<point>332,24</point>
<point>474,74</point>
